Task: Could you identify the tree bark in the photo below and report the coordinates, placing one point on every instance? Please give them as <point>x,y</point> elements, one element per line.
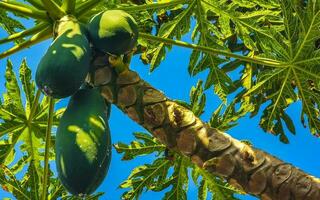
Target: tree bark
<point>247,168</point>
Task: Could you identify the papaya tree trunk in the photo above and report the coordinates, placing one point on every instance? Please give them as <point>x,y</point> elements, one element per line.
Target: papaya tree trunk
<point>247,168</point>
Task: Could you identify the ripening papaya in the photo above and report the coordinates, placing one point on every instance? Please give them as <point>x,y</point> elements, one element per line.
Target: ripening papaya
<point>63,68</point>
<point>113,31</point>
<point>83,142</point>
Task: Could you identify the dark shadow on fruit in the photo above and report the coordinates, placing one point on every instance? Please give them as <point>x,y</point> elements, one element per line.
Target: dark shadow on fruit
<point>83,143</point>
<point>113,31</point>
<point>84,175</point>
<point>63,68</point>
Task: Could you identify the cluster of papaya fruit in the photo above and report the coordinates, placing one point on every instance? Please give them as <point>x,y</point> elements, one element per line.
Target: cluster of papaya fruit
<point>83,141</point>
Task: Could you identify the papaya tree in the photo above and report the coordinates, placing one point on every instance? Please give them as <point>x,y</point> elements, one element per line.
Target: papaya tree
<point>261,58</point>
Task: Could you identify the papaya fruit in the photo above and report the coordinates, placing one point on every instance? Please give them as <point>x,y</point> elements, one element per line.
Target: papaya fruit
<point>113,31</point>
<point>63,68</point>
<point>83,142</point>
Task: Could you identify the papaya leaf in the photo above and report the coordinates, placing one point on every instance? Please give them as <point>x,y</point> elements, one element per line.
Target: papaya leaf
<point>146,145</point>
<point>5,145</point>
<point>145,177</point>
<point>9,24</point>
<point>179,181</point>
<point>87,197</point>
<point>156,177</point>
<point>221,120</point>
<point>20,164</point>
<point>95,196</point>
<point>296,78</point>
<point>55,189</point>
<point>243,18</point>
<point>12,98</point>
<point>29,187</point>
<point>176,27</point>
<point>202,190</point>
<point>27,84</point>
<point>228,22</point>
<point>215,185</point>
<point>200,61</point>
<point>36,3</point>
<point>21,131</point>
<point>12,138</point>
<point>31,181</point>
<point>197,100</point>
<point>226,119</point>
<point>12,184</point>
<point>33,145</point>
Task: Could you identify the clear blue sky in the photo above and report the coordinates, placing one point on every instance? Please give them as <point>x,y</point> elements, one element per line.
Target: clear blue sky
<point>173,79</point>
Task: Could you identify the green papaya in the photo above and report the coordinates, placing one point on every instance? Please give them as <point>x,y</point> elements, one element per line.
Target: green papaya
<point>113,31</point>
<point>83,142</point>
<point>63,68</point>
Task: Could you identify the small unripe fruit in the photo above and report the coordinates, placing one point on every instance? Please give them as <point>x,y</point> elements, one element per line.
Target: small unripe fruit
<point>113,31</point>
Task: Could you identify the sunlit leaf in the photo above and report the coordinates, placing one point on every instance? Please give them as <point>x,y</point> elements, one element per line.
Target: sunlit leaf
<point>146,145</point>
<point>27,84</point>
<point>179,181</point>
<point>176,27</point>
<point>9,24</point>
<point>146,177</point>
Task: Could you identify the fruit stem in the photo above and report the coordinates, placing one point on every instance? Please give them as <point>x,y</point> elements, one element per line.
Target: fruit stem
<point>120,63</point>
<point>24,33</point>
<point>24,10</point>
<point>47,149</point>
<point>256,60</point>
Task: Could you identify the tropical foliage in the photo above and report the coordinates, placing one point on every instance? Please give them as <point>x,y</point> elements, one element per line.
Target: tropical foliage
<point>261,55</point>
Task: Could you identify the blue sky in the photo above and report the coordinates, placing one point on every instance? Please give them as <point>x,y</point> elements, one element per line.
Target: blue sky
<point>173,79</point>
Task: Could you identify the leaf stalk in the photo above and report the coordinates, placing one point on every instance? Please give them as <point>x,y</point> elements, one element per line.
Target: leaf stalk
<point>37,4</point>
<point>24,33</point>
<point>24,10</point>
<point>34,106</point>
<point>154,5</point>
<point>40,36</point>
<point>47,149</point>
<point>54,10</point>
<point>256,60</point>
<point>85,7</point>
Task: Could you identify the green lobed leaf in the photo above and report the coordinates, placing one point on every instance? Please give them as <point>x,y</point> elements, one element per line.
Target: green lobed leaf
<point>9,24</point>
<point>176,27</point>
<point>8,153</point>
<point>199,61</point>
<point>20,133</point>
<point>146,177</point>
<point>179,180</point>
<point>197,100</point>
<point>12,98</point>
<point>145,144</point>
<point>27,84</point>
<point>227,118</point>
<point>203,190</point>
<point>9,182</point>
<point>208,183</point>
<point>295,78</point>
